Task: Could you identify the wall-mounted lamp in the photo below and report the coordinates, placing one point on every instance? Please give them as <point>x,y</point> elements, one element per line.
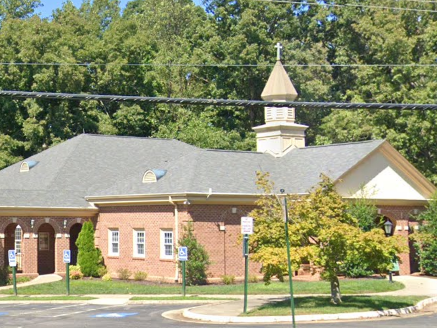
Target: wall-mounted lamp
<point>187,202</point>
<point>32,223</point>
<point>65,223</point>
<point>415,211</point>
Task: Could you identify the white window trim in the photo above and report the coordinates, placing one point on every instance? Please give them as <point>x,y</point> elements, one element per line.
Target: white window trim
<point>163,244</point>
<point>111,242</point>
<point>135,241</point>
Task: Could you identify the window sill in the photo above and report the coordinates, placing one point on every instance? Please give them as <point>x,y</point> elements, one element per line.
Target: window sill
<point>138,258</point>
<point>166,260</point>
<point>113,256</point>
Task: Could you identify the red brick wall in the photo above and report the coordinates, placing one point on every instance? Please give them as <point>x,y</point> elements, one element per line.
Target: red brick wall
<point>223,247</point>
<point>150,218</point>
<point>59,241</point>
<point>404,225</point>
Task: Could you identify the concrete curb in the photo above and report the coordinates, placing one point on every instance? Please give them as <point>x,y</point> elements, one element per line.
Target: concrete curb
<point>187,313</point>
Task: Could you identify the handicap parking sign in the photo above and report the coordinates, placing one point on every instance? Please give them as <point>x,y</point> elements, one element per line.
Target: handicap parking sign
<point>183,253</point>
<point>67,256</point>
<point>12,258</point>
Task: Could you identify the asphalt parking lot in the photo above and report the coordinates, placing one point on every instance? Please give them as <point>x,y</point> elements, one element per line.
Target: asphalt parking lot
<point>38,315</point>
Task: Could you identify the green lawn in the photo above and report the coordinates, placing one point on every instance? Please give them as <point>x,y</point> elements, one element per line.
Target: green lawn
<point>322,305</point>
<point>82,287</point>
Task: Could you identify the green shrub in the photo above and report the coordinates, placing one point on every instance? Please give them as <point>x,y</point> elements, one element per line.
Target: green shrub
<point>89,257</point>
<point>253,278</point>
<point>102,271</point>
<point>140,276</point>
<point>124,274</point>
<point>76,275</point>
<point>4,275</point>
<point>107,277</point>
<point>198,258</point>
<point>75,272</point>
<point>228,279</point>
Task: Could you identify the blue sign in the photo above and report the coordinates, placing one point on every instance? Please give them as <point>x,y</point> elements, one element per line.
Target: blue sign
<point>12,258</point>
<point>67,256</point>
<point>113,315</point>
<point>183,253</point>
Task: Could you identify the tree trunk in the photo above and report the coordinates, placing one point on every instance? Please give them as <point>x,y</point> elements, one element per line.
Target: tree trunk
<point>335,291</point>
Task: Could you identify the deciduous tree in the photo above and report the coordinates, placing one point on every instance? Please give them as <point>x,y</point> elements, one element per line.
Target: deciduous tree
<point>321,231</point>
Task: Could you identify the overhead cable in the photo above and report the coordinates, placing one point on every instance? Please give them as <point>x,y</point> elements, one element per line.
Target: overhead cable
<point>213,102</point>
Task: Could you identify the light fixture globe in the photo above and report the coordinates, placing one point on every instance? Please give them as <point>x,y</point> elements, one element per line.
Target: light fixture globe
<point>388,228</point>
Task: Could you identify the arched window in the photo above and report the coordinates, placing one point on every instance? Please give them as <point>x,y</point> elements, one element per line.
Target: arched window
<point>18,236</point>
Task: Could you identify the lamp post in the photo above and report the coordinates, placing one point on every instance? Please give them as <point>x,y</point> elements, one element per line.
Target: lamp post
<point>388,228</point>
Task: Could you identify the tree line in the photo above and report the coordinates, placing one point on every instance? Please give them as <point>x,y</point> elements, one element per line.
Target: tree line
<point>173,48</point>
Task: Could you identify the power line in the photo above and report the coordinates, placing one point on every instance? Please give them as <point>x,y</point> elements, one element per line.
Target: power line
<point>348,5</point>
<point>213,65</point>
<point>213,102</point>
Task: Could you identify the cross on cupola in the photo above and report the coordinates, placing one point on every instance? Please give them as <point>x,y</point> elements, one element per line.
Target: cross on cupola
<point>280,134</point>
<point>278,51</point>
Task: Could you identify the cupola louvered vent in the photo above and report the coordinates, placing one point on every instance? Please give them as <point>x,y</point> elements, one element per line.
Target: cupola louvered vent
<point>152,176</point>
<point>26,166</point>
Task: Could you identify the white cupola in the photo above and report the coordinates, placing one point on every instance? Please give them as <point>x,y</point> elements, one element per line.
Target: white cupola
<point>280,134</point>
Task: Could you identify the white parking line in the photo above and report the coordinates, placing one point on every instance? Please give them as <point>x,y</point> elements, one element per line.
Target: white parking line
<point>79,312</point>
<point>44,310</point>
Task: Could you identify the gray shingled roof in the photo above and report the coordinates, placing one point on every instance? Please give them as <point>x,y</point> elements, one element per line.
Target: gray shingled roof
<point>93,165</point>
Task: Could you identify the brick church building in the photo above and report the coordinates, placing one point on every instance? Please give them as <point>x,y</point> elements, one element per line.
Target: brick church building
<point>140,192</point>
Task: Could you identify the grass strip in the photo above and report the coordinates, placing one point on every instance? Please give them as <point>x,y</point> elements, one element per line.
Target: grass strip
<point>46,298</point>
<point>97,286</point>
<point>322,305</point>
<point>181,298</point>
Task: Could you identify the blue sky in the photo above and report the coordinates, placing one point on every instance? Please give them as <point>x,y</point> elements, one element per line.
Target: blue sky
<point>50,5</point>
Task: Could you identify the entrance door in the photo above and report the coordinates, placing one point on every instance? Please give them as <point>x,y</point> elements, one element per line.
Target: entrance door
<point>46,249</point>
<point>74,233</point>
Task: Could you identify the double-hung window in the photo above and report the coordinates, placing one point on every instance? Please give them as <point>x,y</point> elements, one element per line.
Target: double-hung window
<point>113,242</point>
<point>139,243</point>
<point>167,244</point>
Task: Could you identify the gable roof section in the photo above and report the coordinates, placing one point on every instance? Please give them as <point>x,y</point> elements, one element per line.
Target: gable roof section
<point>92,167</point>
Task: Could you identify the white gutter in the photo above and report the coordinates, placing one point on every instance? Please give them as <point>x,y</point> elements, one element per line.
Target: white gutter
<point>176,230</point>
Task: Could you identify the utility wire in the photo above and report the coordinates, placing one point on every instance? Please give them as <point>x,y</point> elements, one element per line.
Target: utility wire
<point>348,5</point>
<point>215,65</point>
<point>213,102</point>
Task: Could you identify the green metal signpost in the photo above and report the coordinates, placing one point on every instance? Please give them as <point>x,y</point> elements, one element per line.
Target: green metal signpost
<point>183,257</point>
<point>246,230</point>
<point>290,273</point>
<point>13,263</point>
<point>67,260</point>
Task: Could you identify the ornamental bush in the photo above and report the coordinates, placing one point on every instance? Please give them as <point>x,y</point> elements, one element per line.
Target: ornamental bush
<point>198,258</point>
<point>89,257</point>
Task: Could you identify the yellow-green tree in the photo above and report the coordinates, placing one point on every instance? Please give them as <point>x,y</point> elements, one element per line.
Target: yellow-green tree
<point>321,231</point>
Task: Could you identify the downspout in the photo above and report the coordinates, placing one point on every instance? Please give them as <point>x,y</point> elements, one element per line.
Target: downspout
<point>176,233</point>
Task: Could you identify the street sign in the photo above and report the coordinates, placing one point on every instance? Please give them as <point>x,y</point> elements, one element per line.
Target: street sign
<point>247,225</point>
<point>12,258</point>
<point>67,256</point>
<point>183,253</point>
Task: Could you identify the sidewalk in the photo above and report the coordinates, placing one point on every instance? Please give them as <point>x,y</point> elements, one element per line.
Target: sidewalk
<point>229,311</point>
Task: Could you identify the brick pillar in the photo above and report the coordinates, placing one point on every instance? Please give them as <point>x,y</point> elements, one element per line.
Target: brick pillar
<point>61,243</point>
<point>30,254</point>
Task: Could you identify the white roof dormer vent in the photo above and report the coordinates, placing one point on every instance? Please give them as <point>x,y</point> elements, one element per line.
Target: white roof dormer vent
<point>26,166</point>
<point>152,176</point>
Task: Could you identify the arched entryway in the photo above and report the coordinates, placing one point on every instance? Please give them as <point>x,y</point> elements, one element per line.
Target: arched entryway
<point>13,239</point>
<point>74,233</point>
<point>46,249</point>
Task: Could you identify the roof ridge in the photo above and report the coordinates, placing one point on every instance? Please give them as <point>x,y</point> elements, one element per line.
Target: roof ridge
<point>344,144</point>
<point>123,137</point>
